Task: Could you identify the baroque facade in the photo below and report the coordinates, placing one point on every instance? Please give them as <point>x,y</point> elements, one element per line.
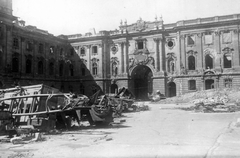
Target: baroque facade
<point>176,58</point>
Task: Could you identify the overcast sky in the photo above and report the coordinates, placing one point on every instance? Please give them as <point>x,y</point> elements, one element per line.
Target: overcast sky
<point>79,16</point>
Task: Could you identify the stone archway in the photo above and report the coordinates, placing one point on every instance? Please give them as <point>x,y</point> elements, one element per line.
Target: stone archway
<point>171,89</point>
<point>141,82</point>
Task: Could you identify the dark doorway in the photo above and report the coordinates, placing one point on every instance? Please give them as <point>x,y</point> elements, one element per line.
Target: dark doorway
<point>209,84</point>
<point>114,88</point>
<point>171,89</point>
<point>142,80</point>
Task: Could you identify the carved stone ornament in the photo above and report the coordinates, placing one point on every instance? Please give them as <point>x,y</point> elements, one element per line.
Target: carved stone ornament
<point>140,25</point>
<point>114,49</point>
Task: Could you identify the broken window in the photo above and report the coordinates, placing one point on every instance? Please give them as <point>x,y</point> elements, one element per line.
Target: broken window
<point>94,50</point>
<point>228,83</point>
<point>190,40</point>
<point>208,62</point>
<point>208,38</point>
<point>191,62</point>
<point>94,69</point>
<point>227,60</point>
<point>28,66</point>
<point>40,67</point>
<point>227,37</point>
<point>192,84</point>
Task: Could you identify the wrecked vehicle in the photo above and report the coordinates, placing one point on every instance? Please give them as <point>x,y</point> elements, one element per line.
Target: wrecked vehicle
<point>122,101</point>
<point>47,108</point>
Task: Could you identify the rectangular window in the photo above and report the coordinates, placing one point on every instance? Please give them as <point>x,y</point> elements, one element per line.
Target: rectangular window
<point>208,38</point>
<point>191,40</point>
<point>228,83</point>
<point>15,43</point>
<point>29,46</point>
<point>94,50</point>
<point>192,84</point>
<point>227,37</point>
<point>40,48</point>
<point>140,45</point>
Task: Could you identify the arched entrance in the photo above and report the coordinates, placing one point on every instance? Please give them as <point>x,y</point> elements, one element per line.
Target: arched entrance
<point>171,89</point>
<point>114,88</point>
<point>209,84</point>
<point>142,82</point>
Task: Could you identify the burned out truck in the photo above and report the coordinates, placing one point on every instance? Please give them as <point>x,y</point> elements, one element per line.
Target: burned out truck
<point>46,108</point>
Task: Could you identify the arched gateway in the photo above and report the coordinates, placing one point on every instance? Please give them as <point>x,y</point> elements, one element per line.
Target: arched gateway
<point>141,82</point>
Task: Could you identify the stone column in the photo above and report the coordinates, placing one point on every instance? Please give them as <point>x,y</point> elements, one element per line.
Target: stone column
<point>218,55</point>
<point>89,53</point>
<point>157,54</point>
<point>182,50</point>
<point>121,46</point>
<point>199,47</point>
<point>236,55</point>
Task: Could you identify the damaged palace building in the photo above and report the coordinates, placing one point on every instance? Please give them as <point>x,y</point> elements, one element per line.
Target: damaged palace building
<point>145,56</point>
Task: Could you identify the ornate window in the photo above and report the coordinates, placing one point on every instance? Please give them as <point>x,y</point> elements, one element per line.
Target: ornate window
<point>192,84</point>
<point>191,62</point>
<point>94,69</point>
<point>114,69</point>
<point>15,62</point>
<point>228,83</point>
<point>227,57</point>
<point>171,62</point>
<point>208,61</point>
<point>114,66</point>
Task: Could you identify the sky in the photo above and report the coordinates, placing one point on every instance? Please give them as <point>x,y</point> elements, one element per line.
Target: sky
<point>79,16</point>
